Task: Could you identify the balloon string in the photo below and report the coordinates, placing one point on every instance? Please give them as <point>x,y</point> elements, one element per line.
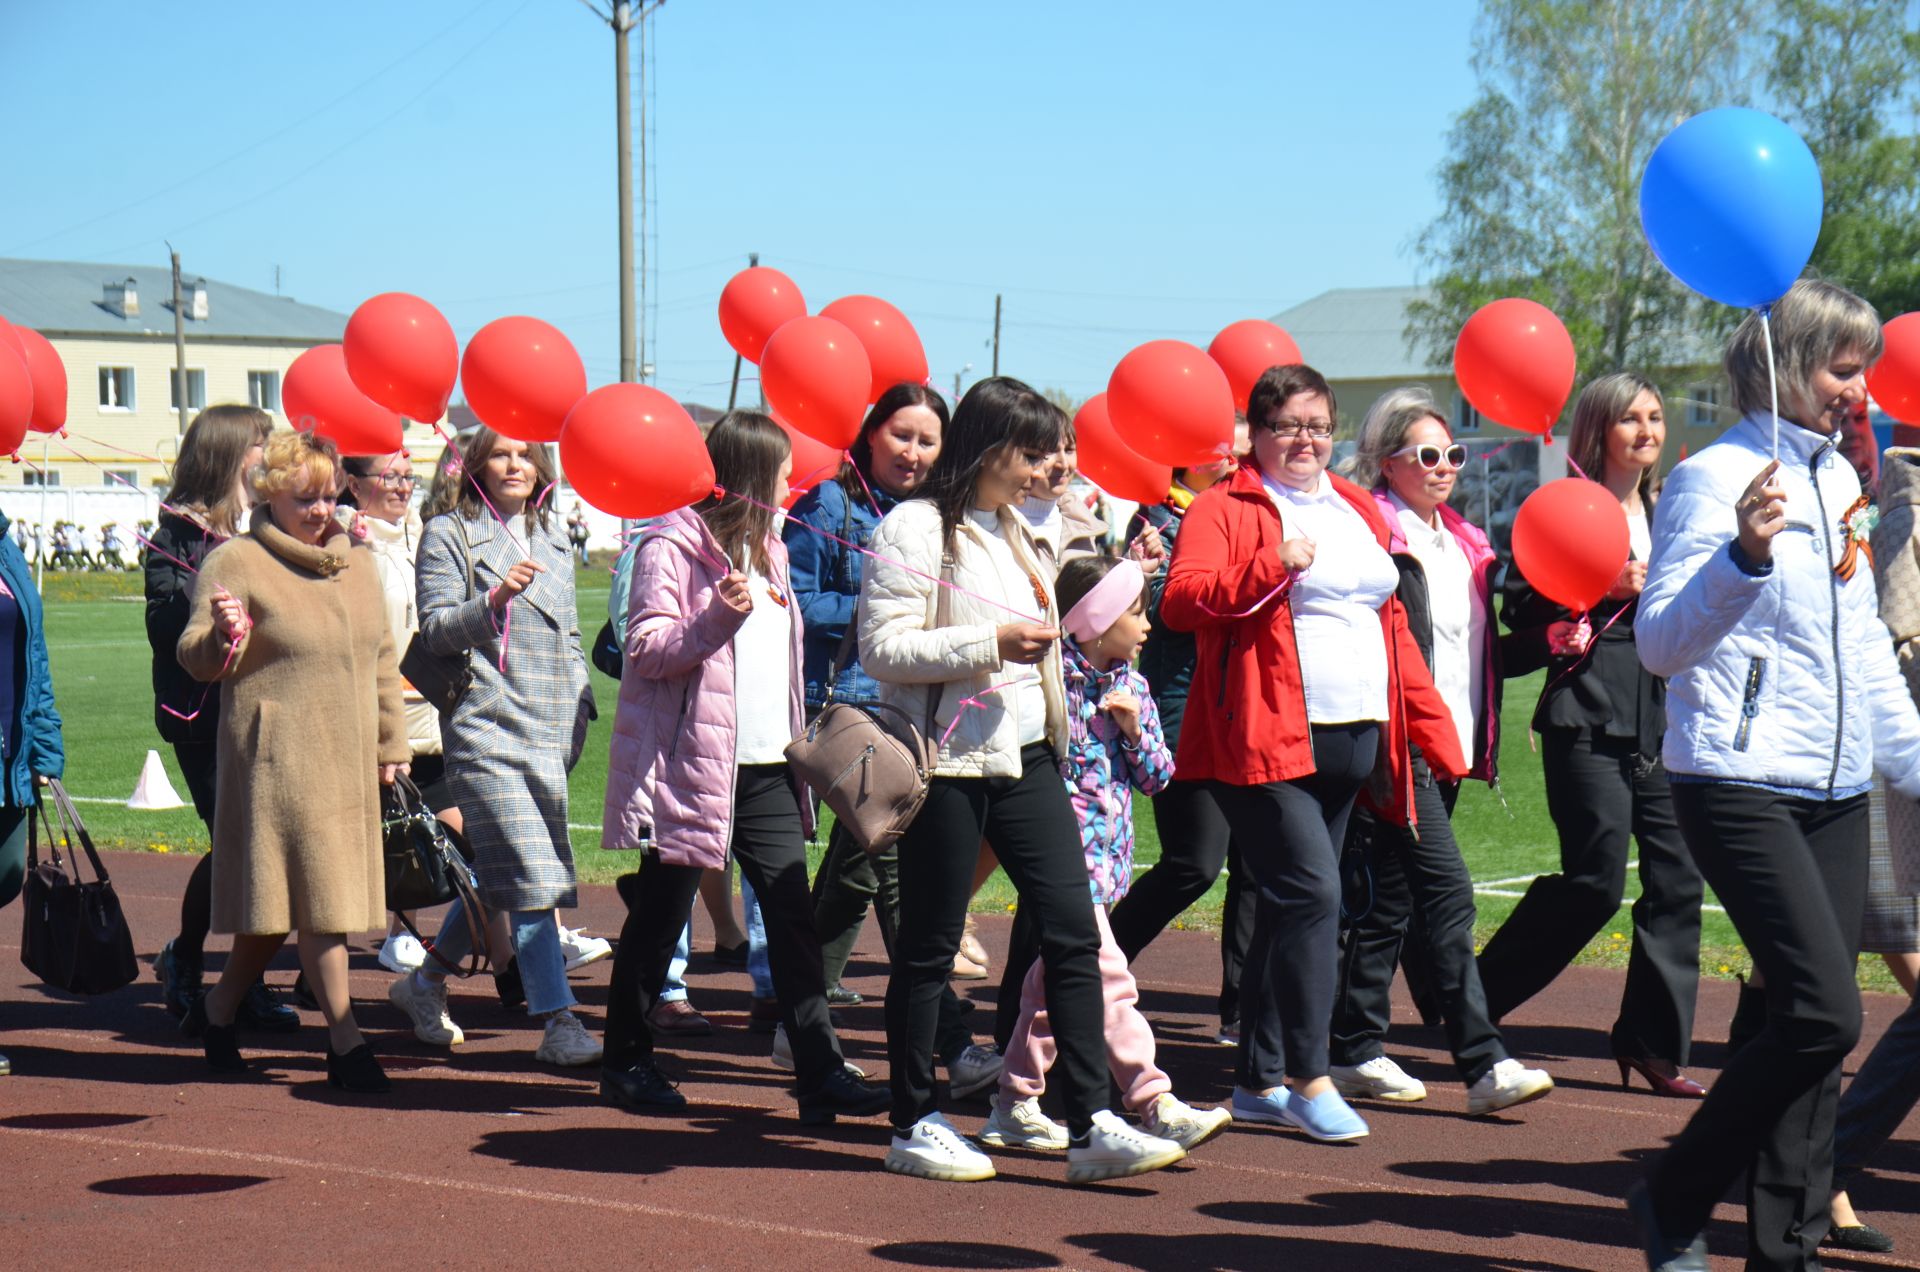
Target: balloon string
<point>1773,385</point>
<point>967,703</point>
<point>863,485</point>
<point>1284,585</point>
<point>1592,643</point>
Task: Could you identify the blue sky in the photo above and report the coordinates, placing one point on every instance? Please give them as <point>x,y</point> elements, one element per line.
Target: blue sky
<point>1120,172</point>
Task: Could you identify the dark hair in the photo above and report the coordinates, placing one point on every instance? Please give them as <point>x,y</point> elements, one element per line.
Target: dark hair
<point>1277,384</point>
<point>746,448</point>
<point>894,400</point>
<point>466,495</point>
<point>207,476</point>
<point>1079,576</point>
<point>1600,406</point>
<point>997,413</point>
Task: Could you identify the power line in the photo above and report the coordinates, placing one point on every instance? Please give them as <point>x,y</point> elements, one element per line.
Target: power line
<point>1029,291</point>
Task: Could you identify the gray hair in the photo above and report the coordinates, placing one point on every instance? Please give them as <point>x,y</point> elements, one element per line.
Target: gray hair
<point>1811,323</point>
<point>1384,431</point>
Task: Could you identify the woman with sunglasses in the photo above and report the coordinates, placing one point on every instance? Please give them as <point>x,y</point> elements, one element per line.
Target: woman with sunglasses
<point>1307,681</point>
<point>1600,720</point>
<point>1410,461</point>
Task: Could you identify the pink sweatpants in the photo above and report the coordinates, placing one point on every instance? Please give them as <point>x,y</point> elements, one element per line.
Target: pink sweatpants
<point>1031,1050</point>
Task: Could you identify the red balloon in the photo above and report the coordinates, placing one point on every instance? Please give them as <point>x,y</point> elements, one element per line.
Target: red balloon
<point>1110,463</point>
<point>632,451</point>
<point>319,396</point>
<point>1171,403</point>
<point>816,377</point>
<point>49,375</point>
<point>1515,362</point>
<point>893,346</point>
<point>1570,541</point>
<point>1894,381</point>
<point>813,462</point>
<point>521,377</point>
<point>402,354</point>
<point>754,304</point>
<point>16,399</point>
<point>1246,349</point>
<point>10,337</point>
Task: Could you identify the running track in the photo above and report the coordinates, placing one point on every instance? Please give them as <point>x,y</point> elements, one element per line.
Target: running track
<point>117,1151</point>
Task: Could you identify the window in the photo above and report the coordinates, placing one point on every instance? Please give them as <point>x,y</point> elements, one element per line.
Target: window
<point>35,477</point>
<point>116,388</point>
<point>1703,405</point>
<point>1465,418</point>
<point>122,478</point>
<point>263,390</point>
<point>196,389</point>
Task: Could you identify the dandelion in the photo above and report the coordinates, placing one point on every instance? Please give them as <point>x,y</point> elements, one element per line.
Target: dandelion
<point>1618,937</point>
<point>1724,969</point>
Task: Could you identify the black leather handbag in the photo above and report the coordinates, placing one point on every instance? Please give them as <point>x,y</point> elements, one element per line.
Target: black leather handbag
<point>442,679</point>
<point>428,863</point>
<point>74,935</point>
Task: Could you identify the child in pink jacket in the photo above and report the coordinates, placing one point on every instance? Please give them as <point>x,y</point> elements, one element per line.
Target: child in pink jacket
<point>1114,746</point>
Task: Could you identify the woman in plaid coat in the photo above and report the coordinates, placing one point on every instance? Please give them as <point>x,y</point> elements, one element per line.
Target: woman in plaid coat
<point>498,590</point>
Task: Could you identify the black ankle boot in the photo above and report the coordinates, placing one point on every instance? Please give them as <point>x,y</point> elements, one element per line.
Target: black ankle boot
<point>219,1042</point>
<point>357,1072</point>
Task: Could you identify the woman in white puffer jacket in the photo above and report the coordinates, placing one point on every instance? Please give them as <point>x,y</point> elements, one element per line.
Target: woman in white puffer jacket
<point>1783,696</point>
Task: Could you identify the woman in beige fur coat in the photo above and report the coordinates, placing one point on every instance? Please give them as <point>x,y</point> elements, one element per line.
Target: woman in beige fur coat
<point>291,618</point>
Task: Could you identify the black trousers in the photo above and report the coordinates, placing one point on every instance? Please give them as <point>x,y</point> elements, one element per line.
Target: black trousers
<point>1292,834</point>
<point>1031,825</point>
<point>1195,841</point>
<point>772,852</point>
<point>1412,873</point>
<point>1793,876</point>
<point>197,765</point>
<point>1604,796</point>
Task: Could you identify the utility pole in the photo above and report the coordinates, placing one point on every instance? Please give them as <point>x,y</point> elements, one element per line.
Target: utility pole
<point>622,23</point>
<point>753,258</point>
<point>179,345</point>
<point>996,333</point>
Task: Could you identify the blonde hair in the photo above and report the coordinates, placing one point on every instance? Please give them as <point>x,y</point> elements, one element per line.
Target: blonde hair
<point>1384,431</point>
<point>292,459</point>
<point>1811,323</point>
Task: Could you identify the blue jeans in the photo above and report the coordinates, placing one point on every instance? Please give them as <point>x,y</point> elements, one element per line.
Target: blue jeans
<point>757,966</point>
<point>675,989</point>
<point>1883,1093</point>
<point>536,943</point>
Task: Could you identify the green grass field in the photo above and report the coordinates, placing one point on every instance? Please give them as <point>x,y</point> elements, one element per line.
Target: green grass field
<point>102,683</point>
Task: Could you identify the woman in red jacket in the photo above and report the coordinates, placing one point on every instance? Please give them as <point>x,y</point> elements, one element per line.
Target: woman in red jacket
<point>1308,685</point>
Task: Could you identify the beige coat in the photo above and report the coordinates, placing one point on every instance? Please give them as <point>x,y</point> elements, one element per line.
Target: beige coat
<point>309,709</point>
<point>1896,572</point>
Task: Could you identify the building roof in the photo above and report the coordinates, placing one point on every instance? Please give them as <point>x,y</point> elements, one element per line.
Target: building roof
<point>1359,333</point>
<point>68,298</point>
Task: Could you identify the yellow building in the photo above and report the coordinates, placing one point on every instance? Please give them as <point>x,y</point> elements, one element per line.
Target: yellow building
<point>113,328</point>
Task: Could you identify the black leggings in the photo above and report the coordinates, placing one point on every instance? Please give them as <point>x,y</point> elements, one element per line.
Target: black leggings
<point>196,904</point>
<point>1292,833</point>
<point>1032,827</point>
<point>768,843</point>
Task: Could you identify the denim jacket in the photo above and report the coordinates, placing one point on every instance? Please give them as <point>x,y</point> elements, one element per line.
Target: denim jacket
<point>1102,769</point>
<point>826,582</point>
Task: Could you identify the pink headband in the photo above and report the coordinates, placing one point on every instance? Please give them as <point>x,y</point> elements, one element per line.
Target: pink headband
<point>1111,597</point>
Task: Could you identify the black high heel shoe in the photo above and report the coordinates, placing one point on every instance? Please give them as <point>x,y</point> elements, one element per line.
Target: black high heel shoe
<point>219,1041</point>
<point>357,1072</point>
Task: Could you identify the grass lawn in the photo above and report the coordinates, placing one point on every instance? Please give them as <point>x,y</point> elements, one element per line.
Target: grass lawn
<point>101,664</point>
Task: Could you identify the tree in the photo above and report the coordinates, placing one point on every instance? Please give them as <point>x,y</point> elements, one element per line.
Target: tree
<point>1541,195</point>
<point>1838,73</point>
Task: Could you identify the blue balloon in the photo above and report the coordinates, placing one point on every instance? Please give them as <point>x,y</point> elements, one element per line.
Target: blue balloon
<point>1731,204</point>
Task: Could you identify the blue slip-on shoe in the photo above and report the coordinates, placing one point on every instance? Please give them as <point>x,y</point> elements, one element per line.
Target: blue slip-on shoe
<point>1326,1117</point>
<point>1271,1109</point>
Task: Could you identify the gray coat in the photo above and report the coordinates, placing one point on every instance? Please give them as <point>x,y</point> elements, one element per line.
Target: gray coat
<point>512,737</point>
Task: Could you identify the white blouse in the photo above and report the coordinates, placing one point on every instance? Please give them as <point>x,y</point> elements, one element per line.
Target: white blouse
<point>1336,605</point>
<point>1459,618</point>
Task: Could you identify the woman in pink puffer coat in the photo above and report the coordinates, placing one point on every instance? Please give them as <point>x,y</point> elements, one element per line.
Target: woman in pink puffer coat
<point>710,697</point>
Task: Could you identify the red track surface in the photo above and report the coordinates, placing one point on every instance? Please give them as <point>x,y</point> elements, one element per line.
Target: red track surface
<point>118,1150</point>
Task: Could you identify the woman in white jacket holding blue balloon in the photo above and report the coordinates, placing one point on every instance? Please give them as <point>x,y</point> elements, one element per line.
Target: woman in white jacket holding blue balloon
<point>1783,696</point>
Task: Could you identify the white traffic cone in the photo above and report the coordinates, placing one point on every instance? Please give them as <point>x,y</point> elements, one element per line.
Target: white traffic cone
<point>153,790</point>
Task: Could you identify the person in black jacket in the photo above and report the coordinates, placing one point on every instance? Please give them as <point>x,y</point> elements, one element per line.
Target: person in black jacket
<point>1601,719</point>
<point>209,500</point>
<point>1194,840</point>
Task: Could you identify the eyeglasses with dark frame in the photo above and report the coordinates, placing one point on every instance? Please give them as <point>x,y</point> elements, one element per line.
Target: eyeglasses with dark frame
<point>1428,456</point>
<point>1293,430</point>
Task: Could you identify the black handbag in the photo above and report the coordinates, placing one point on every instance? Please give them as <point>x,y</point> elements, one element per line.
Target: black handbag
<point>442,679</point>
<point>74,935</point>
<point>428,863</point>
<point>607,654</point>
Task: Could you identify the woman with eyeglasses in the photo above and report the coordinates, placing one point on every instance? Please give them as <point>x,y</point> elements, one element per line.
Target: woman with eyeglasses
<point>1409,460</point>
<point>1600,719</point>
<point>1307,681</point>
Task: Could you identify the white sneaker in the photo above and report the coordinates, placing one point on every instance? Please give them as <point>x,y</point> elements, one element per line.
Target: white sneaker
<point>1506,1084</point>
<point>402,953</point>
<point>582,949</point>
<point>1024,1126</point>
<point>1185,1125</point>
<point>783,1055</point>
<point>426,1007</point>
<point>932,1149</point>
<point>1114,1150</point>
<point>567,1042</point>
<point>1377,1079</point>
<point>977,1068</point>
